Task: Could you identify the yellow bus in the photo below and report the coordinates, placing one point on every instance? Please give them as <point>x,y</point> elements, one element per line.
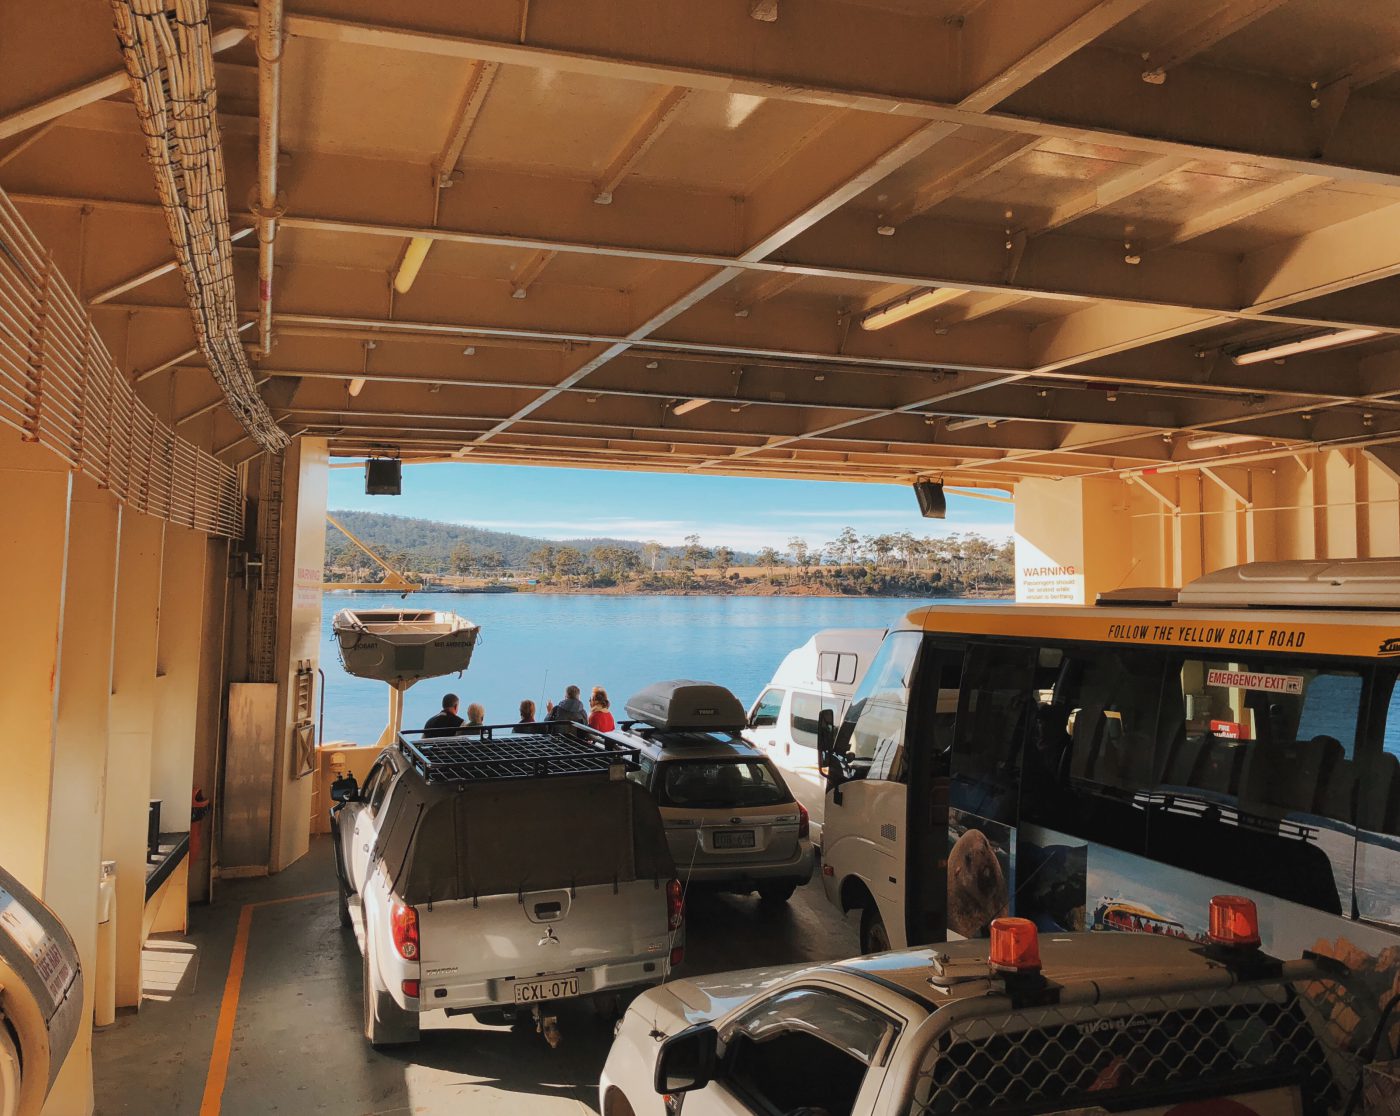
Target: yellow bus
<point>1240,735</point>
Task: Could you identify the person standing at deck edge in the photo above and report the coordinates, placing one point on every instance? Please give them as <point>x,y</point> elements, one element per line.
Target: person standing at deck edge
<point>445,723</point>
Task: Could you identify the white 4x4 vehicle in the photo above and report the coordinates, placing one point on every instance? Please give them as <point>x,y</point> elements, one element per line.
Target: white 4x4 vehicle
<point>498,873</point>
<point>1122,1023</point>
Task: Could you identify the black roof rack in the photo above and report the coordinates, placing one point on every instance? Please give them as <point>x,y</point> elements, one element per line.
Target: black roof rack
<point>500,752</point>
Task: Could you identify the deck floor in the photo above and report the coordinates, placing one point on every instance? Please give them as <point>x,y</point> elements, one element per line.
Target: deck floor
<point>292,1042</point>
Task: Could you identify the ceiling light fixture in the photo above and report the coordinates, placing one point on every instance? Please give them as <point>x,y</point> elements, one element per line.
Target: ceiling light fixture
<point>908,306</point>
<point>968,423</point>
<point>1218,441</point>
<point>688,406</point>
<point>1277,350</point>
<point>413,257</point>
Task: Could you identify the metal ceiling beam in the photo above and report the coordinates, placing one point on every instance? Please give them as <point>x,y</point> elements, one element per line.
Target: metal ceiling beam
<point>664,108</point>
<point>143,277</point>
<point>90,92</point>
<point>1247,204</point>
<point>1121,186</point>
<point>1201,30</point>
<point>473,100</point>
<point>908,66</point>
<point>969,171</point>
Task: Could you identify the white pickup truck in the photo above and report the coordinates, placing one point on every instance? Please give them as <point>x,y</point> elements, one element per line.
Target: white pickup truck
<point>501,872</point>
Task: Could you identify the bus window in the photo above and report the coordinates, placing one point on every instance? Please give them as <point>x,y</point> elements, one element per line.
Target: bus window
<point>1378,781</point>
<point>998,696</point>
<point>1276,738</point>
<point>1093,744</point>
<point>872,735</point>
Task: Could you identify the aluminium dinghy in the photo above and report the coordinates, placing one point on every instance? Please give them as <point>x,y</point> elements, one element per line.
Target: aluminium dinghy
<point>403,646</point>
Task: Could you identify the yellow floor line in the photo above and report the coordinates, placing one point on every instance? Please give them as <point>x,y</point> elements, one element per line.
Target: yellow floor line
<point>217,1076</point>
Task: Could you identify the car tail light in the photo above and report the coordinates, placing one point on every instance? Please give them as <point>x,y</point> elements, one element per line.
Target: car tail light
<point>674,904</point>
<point>1015,946</point>
<point>677,955</point>
<point>403,920</point>
<point>1234,921</point>
<point>804,821</point>
<point>410,988</point>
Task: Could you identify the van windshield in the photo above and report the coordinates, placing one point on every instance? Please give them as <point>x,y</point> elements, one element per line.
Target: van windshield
<point>719,784</point>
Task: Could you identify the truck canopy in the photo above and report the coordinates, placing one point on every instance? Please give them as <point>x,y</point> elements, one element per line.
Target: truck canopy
<point>464,841</point>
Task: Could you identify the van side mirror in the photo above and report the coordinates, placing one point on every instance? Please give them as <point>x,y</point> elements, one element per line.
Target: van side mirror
<point>687,1060</point>
<point>345,789</point>
<point>826,738</point>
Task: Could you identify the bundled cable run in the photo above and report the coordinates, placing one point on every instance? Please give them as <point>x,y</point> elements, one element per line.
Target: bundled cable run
<point>166,45</point>
<point>59,387</point>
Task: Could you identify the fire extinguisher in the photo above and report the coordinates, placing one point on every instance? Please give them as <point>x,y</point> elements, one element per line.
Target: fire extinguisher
<point>199,810</point>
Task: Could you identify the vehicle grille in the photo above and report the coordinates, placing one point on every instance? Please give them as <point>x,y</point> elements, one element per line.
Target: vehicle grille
<point>1042,1059</point>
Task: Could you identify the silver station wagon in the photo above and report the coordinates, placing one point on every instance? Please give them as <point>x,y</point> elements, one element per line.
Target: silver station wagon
<point>731,821</point>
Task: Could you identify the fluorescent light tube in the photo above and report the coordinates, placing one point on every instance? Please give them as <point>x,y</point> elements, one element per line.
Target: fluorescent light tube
<point>966,423</point>
<point>688,406</point>
<point>412,260</point>
<point>908,306</point>
<point>1218,441</point>
<point>1279,349</point>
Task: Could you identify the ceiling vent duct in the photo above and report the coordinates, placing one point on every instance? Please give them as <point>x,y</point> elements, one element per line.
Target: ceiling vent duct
<point>169,57</point>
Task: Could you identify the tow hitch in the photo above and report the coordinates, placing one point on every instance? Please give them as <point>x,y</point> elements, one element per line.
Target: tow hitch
<point>547,1025</point>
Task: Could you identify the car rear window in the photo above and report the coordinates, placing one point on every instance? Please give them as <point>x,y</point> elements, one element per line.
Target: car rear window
<point>719,784</point>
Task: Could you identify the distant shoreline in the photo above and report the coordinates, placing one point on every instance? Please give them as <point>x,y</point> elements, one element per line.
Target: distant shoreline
<point>748,590</point>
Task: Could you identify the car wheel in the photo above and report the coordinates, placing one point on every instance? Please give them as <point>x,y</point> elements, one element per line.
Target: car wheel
<point>616,1105</point>
<point>386,1024</point>
<point>776,891</point>
<point>874,938</point>
<point>344,907</point>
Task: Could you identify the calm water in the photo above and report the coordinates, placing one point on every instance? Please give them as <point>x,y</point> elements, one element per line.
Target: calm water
<point>533,646</point>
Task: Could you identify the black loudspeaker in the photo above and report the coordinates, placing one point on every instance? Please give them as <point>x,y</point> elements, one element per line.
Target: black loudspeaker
<point>383,476</point>
<point>932,503</point>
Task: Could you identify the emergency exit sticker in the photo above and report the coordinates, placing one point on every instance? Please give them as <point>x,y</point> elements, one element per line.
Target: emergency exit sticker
<point>1248,680</point>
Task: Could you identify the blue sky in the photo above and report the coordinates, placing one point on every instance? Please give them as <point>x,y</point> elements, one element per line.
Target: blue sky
<point>741,512</point>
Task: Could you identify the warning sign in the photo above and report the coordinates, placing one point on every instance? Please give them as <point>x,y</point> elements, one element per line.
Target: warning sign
<point>1248,680</point>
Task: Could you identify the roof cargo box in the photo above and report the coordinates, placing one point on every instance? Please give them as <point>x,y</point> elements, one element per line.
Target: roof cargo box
<point>684,703</point>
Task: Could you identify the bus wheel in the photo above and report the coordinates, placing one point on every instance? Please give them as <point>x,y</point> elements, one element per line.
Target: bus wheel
<point>873,936</point>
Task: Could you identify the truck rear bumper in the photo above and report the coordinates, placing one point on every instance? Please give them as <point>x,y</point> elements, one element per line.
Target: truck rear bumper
<point>454,992</point>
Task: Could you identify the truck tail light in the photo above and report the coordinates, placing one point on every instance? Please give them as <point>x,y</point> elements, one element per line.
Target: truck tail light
<point>1234,921</point>
<point>403,920</point>
<point>410,989</point>
<point>804,821</point>
<point>675,907</point>
<point>1015,946</point>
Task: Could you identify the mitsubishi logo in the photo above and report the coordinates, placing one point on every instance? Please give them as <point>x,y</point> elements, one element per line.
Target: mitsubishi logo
<point>550,938</point>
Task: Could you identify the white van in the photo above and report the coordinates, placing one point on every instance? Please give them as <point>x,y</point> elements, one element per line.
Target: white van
<point>821,674</point>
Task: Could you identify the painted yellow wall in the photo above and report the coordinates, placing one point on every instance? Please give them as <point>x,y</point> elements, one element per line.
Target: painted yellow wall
<point>299,634</point>
<point>132,723</point>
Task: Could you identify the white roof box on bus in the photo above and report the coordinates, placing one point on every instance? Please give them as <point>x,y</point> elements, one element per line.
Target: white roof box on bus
<point>684,703</point>
<point>1372,583</point>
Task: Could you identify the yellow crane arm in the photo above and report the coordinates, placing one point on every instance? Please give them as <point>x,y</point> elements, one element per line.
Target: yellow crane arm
<point>393,579</point>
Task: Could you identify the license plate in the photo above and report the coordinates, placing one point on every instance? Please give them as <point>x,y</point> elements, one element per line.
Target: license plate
<point>736,839</point>
<point>550,988</point>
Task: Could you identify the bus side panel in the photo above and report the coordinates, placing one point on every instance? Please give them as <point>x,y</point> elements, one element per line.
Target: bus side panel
<point>994,710</point>
<point>863,843</point>
<point>1120,891</point>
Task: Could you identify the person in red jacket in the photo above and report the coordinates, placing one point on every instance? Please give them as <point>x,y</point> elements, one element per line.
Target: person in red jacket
<point>599,716</point>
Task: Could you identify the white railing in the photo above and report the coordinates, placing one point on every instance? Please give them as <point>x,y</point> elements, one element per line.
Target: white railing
<point>60,388</point>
